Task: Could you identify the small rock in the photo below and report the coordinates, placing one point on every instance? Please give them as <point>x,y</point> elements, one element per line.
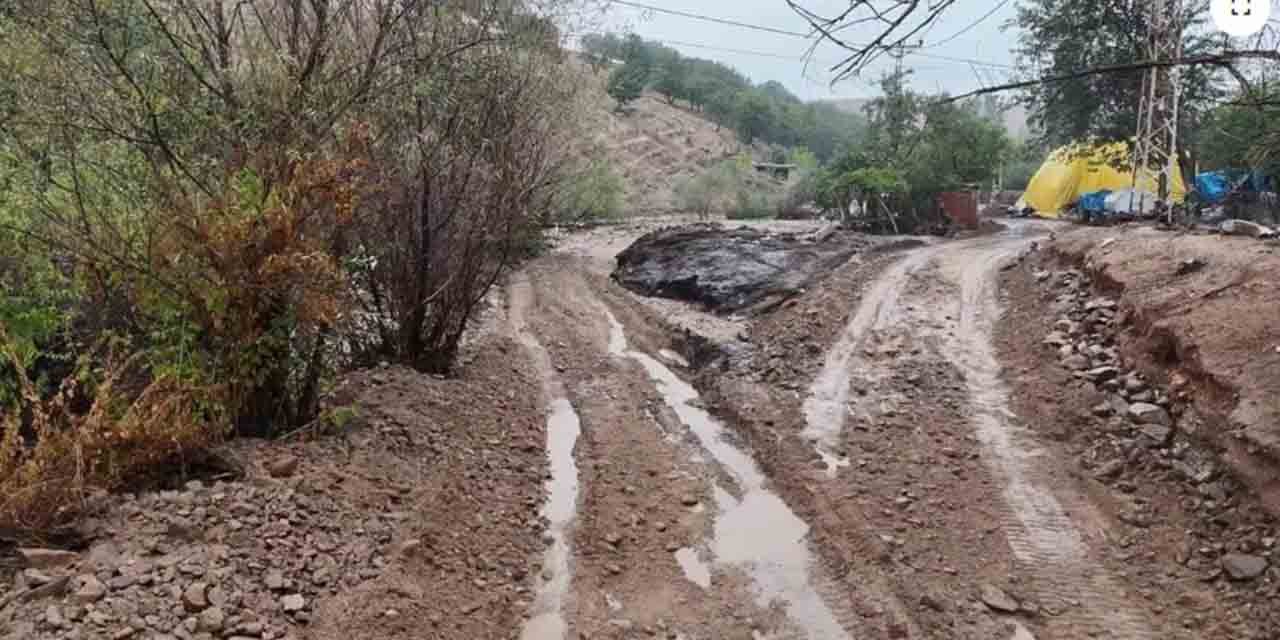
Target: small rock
<point>283,466</point>
<point>997,600</point>
<point>1102,409</point>
<point>1076,362</point>
<point>274,580</point>
<point>53,616</point>
<point>613,569</point>
<point>91,589</point>
<point>613,539</point>
<point>195,597</point>
<point>408,547</point>
<point>1146,413</point>
<point>212,620</point>
<point>293,603</point>
<point>1190,265</point>
<point>1160,434</point>
<point>932,602</point>
<point>1110,469</point>
<point>689,500</point>
<point>48,558</point>
<point>1240,566</point>
<point>1102,374</point>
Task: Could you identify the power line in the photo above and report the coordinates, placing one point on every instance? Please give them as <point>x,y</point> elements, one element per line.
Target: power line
<point>971,25</point>
<point>795,34</point>
<point>699,16</point>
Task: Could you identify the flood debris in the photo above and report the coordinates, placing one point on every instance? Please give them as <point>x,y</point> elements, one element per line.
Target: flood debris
<point>1236,227</point>
<point>733,269</point>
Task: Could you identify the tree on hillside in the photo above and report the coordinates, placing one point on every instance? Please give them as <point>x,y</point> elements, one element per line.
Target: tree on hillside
<point>753,116</point>
<point>626,83</point>
<point>778,93</point>
<point>672,80</point>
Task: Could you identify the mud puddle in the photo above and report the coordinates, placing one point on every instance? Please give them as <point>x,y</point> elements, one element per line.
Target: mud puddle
<point>826,408</point>
<point>546,615</point>
<point>754,532</point>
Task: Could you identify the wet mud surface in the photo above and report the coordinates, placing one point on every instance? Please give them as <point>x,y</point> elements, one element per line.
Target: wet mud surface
<point>731,269</point>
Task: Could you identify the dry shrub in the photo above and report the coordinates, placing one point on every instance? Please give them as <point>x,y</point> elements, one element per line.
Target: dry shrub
<point>67,456</point>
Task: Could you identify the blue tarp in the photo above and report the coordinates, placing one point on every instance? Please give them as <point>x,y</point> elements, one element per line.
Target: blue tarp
<point>1212,186</point>
<point>1094,201</point>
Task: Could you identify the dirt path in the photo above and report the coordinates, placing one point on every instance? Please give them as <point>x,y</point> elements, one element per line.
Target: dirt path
<point>858,477</point>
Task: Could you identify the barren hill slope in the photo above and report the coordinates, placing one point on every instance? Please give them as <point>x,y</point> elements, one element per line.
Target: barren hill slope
<point>655,146</point>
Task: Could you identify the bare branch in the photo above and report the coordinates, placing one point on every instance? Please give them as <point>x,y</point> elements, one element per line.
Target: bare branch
<point>1224,58</point>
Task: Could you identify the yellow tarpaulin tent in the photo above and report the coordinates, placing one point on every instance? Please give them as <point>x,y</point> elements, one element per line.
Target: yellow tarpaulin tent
<point>1075,170</point>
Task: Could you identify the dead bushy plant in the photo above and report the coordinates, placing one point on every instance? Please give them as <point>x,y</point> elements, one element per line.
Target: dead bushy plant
<point>468,166</point>
<point>68,455</point>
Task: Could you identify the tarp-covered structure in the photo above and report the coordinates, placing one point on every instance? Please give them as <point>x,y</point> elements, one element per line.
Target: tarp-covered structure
<point>1079,169</point>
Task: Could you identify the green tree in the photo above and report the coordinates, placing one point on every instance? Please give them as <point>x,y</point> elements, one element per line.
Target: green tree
<point>672,80</point>
<point>626,83</point>
<point>1063,36</point>
<point>753,115</point>
<point>1244,134</point>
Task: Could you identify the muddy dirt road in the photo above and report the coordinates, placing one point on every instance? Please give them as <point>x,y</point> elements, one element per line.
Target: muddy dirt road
<point>884,487</point>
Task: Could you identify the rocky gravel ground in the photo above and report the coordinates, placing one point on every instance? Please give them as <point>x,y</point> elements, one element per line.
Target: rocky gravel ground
<point>1194,541</point>
<point>418,517</point>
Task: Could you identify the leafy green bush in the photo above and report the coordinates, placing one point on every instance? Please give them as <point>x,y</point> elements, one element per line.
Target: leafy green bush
<point>591,194</point>
<point>751,204</point>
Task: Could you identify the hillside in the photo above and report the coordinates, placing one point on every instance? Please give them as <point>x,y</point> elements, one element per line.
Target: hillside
<point>655,146</point>
<point>1015,119</point>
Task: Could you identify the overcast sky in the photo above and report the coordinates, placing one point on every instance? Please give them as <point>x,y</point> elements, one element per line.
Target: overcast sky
<point>985,42</point>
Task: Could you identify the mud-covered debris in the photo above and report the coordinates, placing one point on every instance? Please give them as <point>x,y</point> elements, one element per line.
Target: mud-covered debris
<point>1240,566</point>
<point>730,269</point>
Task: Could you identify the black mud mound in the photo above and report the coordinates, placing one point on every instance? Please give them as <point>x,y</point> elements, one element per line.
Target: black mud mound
<point>729,270</point>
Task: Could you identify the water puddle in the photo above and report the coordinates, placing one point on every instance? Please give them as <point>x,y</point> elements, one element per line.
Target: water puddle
<point>546,615</point>
<point>827,407</point>
<point>756,533</point>
<point>694,568</point>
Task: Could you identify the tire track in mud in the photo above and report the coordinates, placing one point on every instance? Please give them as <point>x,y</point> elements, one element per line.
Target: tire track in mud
<point>826,409</point>
<point>1046,541</point>
<point>546,615</point>
<point>754,531</point>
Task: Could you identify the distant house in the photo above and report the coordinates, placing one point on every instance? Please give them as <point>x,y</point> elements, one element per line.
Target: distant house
<point>779,171</point>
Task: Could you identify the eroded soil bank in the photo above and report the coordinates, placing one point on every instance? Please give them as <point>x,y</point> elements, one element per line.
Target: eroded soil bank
<point>1200,315</point>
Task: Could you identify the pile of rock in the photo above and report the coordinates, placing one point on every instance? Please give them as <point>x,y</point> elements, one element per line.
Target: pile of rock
<point>1084,338</point>
<point>1141,435</point>
<point>226,560</point>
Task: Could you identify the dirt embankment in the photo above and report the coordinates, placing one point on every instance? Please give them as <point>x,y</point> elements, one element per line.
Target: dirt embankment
<point>1200,312</point>
<point>418,518</point>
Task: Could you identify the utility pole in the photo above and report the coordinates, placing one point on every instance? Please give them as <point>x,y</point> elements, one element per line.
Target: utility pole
<point>1156,145</point>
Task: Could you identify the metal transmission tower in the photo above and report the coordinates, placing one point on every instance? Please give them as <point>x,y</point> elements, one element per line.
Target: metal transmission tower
<point>1156,146</point>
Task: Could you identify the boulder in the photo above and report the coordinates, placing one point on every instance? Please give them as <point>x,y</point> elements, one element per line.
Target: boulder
<point>1241,566</point>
